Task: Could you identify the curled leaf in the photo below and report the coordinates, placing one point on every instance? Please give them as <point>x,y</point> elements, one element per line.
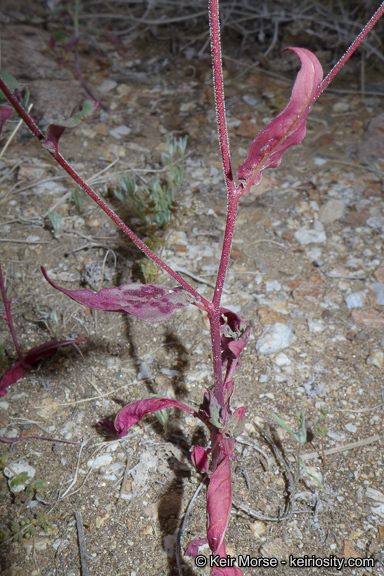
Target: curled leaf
<point>56,129</point>
<point>135,411</point>
<point>199,458</point>
<point>34,355</point>
<point>288,128</point>
<point>192,549</point>
<point>149,302</point>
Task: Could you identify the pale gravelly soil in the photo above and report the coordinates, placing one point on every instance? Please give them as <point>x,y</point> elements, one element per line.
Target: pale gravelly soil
<point>336,359</point>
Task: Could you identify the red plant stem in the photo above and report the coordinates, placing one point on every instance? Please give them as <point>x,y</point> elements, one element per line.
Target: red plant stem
<point>7,306</point>
<point>201,303</point>
<point>377,15</point>
<point>233,195</point>
<point>218,84</point>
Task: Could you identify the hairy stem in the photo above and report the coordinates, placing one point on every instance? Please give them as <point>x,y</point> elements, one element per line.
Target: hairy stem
<point>218,84</point>
<point>7,306</point>
<point>377,15</point>
<point>28,120</point>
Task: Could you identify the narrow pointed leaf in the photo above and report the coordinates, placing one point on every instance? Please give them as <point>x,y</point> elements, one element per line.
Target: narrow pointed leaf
<point>149,302</point>
<point>34,355</point>
<point>288,128</point>
<point>219,501</point>
<point>134,412</point>
<point>78,115</point>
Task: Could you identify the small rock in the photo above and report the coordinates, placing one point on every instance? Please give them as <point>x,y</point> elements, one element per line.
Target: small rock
<point>282,359</point>
<point>272,286</point>
<point>275,337</point>
<point>331,211</point>
<point>376,222</point>
<point>250,100</point>
<point>376,358</point>
<point>379,274</point>
<point>371,318</point>
<point>107,86</point>
<point>100,461</point>
<point>258,528</point>
<point>18,468</point>
<point>144,371</point>
<point>274,549</point>
<point>312,236</point>
<point>349,551</point>
<point>377,293</point>
<point>379,510</point>
<point>355,300</point>
<point>340,107</point>
<point>351,428</point>
<point>372,145</point>
<point>120,131</point>
<point>374,495</point>
<point>315,325</point>
<point>36,543</point>
<point>307,291</point>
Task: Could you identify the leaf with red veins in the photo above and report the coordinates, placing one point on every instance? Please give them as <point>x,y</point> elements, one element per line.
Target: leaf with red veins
<point>288,128</point>
<point>148,302</point>
<point>219,501</point>
<point>34,355</point>
<point>135,411</point>
<point>56,129</point>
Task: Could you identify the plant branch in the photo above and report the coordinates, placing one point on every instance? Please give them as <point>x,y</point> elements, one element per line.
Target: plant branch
<point>7,306</point>
<point>218,85</point>
<point>377,15</point>
<point>201,303</point>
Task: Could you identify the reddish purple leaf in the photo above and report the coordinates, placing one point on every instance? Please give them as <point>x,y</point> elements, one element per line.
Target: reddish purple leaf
<point>192,549</point>
<point>234,335</point>
<point>148,302</point>
<point>78,115</point>
<point>199,458</point>
<point>219,501</point>
<point>5,113</point>
<point>134,412</point>
<point>34,355</point>
<point>288,128</point>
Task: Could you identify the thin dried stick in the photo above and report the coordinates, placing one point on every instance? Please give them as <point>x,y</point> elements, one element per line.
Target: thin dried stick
<point>82,546</point>
<point>122,488</point>
<point>76,471</point>
<point>343,448</point>
<point>184,523</point>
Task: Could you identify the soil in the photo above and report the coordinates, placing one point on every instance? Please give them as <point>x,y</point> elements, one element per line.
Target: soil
<point>335,362</point>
